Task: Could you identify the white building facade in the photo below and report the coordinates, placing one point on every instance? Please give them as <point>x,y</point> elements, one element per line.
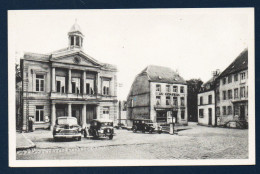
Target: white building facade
<point>232,91</point>
<point>206,108</point>
<point>67,82</point>
<point>160,94</point>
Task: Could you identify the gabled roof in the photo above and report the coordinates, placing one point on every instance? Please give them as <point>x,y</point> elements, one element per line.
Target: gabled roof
<point>162,74</point>
<point>239,64</point>
<point>59,54</point>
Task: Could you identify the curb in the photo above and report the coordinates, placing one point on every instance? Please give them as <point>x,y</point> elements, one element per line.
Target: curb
<point>32,145</point>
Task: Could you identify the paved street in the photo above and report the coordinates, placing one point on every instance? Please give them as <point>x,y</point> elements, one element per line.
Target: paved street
<point>197,142</point>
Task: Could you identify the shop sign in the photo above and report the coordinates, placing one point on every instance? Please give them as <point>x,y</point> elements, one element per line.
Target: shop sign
<point>168,94</point>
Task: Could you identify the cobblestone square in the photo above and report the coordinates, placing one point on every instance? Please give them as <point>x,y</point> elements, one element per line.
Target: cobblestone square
<point>195,142</point>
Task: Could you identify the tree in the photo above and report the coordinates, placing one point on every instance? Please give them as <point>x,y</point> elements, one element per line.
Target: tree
<point>194,86</point>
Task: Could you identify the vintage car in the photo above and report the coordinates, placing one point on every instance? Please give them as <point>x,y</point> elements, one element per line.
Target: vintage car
<point>67,127</point>
<point>146,125</point>
<point>100,128</point>
<point>120,125</point>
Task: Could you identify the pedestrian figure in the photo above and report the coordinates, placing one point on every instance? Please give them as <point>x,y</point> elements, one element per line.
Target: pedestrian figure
<point>31,124</point>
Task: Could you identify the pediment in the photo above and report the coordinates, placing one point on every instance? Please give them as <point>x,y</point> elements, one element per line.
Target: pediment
<point>75,59</point>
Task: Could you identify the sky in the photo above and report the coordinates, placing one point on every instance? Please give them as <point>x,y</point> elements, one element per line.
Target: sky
<point>193,42</point>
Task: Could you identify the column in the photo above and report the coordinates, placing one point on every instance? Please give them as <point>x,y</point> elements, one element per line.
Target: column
<point>84,82</point>
<point>96,84</point>
<point>97,111</point>
<point>84,116</point>
<point>74,40</point>
<point>53,115</point>
<point>53,80</point>
<point>69,81</point>
<point>69,110</point>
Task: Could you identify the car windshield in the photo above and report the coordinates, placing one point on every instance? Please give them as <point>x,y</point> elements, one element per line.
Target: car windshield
<point>68,120</point>
<point>148,121</point>
<point>107,124</point>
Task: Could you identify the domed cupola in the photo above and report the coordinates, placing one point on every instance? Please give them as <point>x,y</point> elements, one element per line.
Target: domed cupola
<point>75,36</point>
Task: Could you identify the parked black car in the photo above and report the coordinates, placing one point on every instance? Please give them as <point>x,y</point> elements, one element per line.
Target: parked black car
<point>67,127</point>
<point>100,128</point>
<point>146,125</point>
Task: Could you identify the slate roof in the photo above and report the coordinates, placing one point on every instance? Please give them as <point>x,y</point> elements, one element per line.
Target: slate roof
<point>36,56</point>
<point>239,64</point>
<point>162,74</point>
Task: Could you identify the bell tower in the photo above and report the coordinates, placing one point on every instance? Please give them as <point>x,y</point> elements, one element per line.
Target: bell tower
<point>75,36</point>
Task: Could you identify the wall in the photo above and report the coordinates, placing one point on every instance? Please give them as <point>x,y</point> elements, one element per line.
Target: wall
<point>139,98</point>
<point>113,110</point>
<point>30,69</point>
<point>229,102</point>
<point>205,106</point>
<point>153,95</point>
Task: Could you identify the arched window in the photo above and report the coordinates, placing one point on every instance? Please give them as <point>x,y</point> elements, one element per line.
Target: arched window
<point>77,40</point>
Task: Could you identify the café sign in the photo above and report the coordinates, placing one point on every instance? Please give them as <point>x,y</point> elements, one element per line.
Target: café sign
<point>169,94</point>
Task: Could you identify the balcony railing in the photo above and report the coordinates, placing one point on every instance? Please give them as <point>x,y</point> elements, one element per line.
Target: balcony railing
<point>73,95</point>
<point>80,96</point>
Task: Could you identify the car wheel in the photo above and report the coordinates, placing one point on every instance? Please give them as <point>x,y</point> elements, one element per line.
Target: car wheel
<point>95,134</point>
<point>55,139</point>
<point>134,129</point>
<point>110,137</point>
<point>79,138</point>
<point>159,132</point>
<point>150,131</point>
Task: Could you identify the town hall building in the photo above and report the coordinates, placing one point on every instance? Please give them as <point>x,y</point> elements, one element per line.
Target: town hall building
<point>67,82</point>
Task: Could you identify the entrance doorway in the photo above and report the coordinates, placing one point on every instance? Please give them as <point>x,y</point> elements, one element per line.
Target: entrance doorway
<point>76,112</point>
<point>210,116</point>
<point>91,113</point>
<point>161,116</point>
<point>61,110</point>
<point>175,114</point>
<point>242,112</point>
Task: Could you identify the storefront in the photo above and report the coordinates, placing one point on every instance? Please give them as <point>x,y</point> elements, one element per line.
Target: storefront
<point>241,110</point>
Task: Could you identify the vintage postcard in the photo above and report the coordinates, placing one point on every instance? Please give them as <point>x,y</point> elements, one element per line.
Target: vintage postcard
<point>131,87</point>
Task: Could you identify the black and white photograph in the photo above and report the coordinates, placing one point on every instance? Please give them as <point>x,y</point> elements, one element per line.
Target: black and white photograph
<point>131,87</point>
